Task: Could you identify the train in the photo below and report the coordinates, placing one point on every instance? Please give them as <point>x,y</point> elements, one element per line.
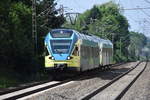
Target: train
<point>68,49</point>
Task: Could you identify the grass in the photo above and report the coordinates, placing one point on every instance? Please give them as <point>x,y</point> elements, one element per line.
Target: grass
<point>7,78</point>
<point>7,82</point>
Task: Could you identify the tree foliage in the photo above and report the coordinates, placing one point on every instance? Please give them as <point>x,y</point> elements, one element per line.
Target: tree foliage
<point>137,42</point>
<point>17,47</point>
<point>106,21</point>
<point>16,43</point>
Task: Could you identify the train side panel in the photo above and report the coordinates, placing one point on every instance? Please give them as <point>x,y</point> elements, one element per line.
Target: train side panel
<point>106,55</point>
<point>89,57</point>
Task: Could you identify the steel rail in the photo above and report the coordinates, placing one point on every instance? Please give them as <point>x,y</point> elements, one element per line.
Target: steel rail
<point>34,88</point>
<point>28,85</point>
<point>90,95</point>
<point>129,85</point>
<point>22,86</point>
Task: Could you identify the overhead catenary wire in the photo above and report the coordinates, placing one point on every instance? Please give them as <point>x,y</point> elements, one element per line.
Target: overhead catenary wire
<point>147,1</point>
<point>147,21</point>
<point>145,13</point>
<point>135,8</point>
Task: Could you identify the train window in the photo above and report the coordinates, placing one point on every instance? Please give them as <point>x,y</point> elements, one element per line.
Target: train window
<point>61,33</point>
<point>93,51</point>
<point>60,46</point>
<point>75,52</point>
<point>82,51</point>
<point>97,52</point>
<point>90,51</point>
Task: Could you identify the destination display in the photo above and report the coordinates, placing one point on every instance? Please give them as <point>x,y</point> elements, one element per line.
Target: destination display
<point>61,34</point>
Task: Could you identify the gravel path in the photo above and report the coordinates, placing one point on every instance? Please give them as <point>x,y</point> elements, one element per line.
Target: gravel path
<point>140,90</point>
<point>81,87</point>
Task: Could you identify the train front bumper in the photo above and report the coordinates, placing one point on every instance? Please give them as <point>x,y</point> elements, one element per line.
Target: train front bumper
<point>72,64</point>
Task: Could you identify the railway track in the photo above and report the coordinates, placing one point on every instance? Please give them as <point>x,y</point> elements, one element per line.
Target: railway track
<point>21,86</point>
<point>27,91</point>
<point>33,89</point>
<point>20,92</point>
<point>115,89</point>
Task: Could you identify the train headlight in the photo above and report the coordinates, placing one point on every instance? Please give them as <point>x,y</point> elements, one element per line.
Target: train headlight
<point>52,58</point>
<point>68,58</point>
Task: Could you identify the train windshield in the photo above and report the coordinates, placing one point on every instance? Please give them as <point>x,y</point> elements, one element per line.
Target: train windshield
<point>60,46</point>
<point>61,33</point>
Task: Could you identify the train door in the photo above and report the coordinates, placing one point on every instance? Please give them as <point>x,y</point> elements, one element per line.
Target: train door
<point>81,58</point>
<point>104,56</point>
<point>100,56</point>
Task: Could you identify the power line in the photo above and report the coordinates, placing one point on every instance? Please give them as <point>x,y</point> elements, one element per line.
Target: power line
<point>71,18</point>
<point>145,13</point>
<point>147,1</point>
<point>146,21</point>
<point>135,8</point>
<point>133,19</point>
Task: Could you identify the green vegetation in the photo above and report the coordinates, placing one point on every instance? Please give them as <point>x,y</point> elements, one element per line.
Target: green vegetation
<point>18,62</point>
<point>108,22</point>
<point>137,43</point>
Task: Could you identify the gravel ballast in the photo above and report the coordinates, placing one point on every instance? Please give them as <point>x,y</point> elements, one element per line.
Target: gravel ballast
<point>81,87</point>
<point>114,90</point>
<point>140,90</point>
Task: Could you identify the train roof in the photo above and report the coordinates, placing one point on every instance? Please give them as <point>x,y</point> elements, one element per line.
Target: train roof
<point>90,37</point>
<point>93,38</point>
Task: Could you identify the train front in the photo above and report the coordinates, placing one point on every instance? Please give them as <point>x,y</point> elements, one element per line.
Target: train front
<point>62,50</point>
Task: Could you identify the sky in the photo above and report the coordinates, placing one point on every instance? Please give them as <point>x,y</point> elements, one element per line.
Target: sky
<point>139,20</point>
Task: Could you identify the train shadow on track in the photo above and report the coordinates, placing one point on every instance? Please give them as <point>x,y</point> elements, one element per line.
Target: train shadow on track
<point>107,74</point>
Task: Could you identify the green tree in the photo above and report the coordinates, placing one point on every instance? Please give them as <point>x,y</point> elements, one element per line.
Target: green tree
<point>106,21</point>
<point>137,42</point>
<point>16,49</point>
<point>47,19</point>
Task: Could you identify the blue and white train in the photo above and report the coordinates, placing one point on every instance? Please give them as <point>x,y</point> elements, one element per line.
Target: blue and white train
<point>68,49</point>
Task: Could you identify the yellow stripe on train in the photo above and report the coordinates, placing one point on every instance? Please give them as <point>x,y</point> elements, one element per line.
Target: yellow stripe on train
<point>74,62</point>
